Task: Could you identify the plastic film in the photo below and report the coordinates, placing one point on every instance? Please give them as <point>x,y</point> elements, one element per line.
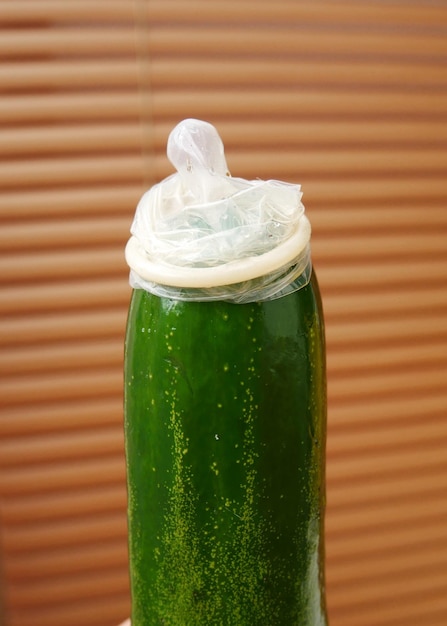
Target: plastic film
<point>201,234</point>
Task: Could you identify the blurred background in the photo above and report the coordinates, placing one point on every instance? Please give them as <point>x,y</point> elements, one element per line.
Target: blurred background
<point>348,99</point>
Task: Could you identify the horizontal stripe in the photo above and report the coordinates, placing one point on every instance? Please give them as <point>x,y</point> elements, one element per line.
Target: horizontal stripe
<point>70,139</point>
<point>211,104</point>
<point>73,326</point>
<point>347,12</point>
<point>46,417</point>
<point>108,606</point>
<point>347,99</point>
<point>191,71</point>
<point>87,585</point>
<point>64,296</point>
<point>70,201</point>
<point>73,41</point>
<point>310,164</point>
<point>93,443</point>
<point>53,506</point>
<point>30,11</point>
<point>107,554</point>
<point>44,479</point>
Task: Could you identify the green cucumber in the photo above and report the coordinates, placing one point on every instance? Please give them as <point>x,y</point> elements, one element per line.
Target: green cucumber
<point>225,418</point>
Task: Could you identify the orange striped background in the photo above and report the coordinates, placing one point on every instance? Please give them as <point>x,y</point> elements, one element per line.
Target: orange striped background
<point>347,98</point>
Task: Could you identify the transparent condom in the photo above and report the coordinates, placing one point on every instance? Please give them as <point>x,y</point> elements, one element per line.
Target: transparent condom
<point>201,234</point>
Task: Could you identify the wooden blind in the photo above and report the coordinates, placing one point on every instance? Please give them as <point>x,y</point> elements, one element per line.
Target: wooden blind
<point>347,98</point>
<point>70,175</point>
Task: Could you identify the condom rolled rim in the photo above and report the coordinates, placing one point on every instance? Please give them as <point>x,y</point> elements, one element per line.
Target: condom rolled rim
<point>230,273</point>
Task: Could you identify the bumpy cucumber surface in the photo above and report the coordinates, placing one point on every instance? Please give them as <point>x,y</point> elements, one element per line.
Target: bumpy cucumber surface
<point>225,415</point>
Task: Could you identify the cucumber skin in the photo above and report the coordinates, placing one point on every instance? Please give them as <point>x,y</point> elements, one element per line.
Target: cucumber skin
<point>225,429</point>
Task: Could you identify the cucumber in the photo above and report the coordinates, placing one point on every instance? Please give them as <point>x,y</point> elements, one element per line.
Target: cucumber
<point>225,426</point>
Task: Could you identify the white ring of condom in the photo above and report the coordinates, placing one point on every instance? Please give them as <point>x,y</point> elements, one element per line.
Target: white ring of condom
<point>226,274</point>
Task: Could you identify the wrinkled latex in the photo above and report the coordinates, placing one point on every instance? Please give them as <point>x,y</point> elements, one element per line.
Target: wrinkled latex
<point>202,217</point>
